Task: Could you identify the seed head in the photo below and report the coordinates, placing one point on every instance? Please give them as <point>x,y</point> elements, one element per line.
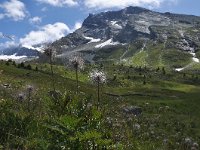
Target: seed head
<point>50,51</point>
<point>77,62</point>
<point>21,97</point>
<point>98,76</point>
<point>29,88</point>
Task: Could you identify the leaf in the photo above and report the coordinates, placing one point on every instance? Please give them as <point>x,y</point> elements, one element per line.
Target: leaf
<point>69,122</point>
<point>55,129</point>
<point>96,114</point>
<point>88,135</point>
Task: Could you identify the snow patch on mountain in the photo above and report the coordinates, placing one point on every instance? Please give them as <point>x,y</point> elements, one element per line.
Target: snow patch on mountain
<point>40,49</point>
<point>92,40</point>
<point>194,58</point>
<point>115,25</point>
<point>179,69</point>
<point>108,42</point>
<point>12,57</point>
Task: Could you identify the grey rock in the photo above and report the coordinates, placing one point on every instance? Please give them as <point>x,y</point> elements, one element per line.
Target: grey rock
<point>132,110</point>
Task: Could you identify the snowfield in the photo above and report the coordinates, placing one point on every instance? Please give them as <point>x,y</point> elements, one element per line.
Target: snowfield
<point>92,40</point>
<point>108,42</point>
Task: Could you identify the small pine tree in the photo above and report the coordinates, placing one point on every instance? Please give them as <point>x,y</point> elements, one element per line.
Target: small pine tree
<point>14,64</point>
<point>22,65</point>
<point>36,68</point>
<point>18,65</point>
<point>7,63</point>
<point>157,69</point>
<point>10,60</point>
<point>163,70</point>
<point>28,67</point>
<point>184,75</point>
<point>114,77</point>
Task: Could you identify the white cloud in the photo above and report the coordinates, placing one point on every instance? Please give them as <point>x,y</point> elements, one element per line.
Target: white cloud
<point>44,9</point>
<point>76,26</point>
<point>105,4</point>
<point>2,16</point>
<point>47,33</point>
<point>13,9</point>
<point>35,20</point>
<point>59,3</point>
<point>8,44</point>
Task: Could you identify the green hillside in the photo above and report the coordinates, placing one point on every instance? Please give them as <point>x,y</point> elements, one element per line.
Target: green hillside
<point>168,104</point>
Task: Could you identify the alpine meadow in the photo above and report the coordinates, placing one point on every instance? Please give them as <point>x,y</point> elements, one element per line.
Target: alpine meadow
<point>124,79</point>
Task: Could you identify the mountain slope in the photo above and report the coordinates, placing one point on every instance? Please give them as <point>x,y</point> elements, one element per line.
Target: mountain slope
<point>165,39</point>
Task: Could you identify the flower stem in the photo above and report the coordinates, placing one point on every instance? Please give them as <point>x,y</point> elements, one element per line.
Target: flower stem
<point>98,94</point>
<point>77,80</point>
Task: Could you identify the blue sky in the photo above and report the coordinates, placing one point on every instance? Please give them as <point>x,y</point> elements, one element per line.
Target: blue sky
<point>33,22</point>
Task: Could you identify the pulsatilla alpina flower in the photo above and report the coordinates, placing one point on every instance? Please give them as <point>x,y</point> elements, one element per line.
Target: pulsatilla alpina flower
<point>98,76</point>
<point>21,96</point>
<point>29,88</point>
<point>77,62</point>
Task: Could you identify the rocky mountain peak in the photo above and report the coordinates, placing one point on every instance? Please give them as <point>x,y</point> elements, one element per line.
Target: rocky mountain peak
<point>129,25</point>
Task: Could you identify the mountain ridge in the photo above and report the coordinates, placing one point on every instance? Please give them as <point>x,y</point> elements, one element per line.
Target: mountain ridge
<point>127,27</point>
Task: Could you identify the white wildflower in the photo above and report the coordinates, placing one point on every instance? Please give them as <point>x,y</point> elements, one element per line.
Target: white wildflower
<point>98,76</point>
<point>77,62</point>
<point>30,88</point>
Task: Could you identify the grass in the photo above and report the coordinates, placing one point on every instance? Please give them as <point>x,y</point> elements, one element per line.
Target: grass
<point>176,59</point>
<point>170,102</point>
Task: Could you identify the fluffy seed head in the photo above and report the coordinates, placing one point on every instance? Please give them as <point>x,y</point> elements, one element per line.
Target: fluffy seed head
<point>98,76</point>
<point>50,51</point>
<point>29,88</point>
<point>77,62</point>
<point>20,96</point>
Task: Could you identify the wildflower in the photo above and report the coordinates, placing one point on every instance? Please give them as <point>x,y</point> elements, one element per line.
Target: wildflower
<point>77,63</point>
<point>136,126</point>
<point>30,88</point>
<point>21,97</point>
<point>196,145</point>
<point>50,52</point>
<point>98,77</point>
<point>188,142</point>
<point>165,141</point>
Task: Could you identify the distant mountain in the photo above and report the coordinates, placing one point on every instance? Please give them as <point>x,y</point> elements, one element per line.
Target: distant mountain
<point>20,53</point>
<point>119,35</point>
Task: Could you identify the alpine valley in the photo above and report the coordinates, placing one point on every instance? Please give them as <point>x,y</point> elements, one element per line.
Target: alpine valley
<point>126,80</point>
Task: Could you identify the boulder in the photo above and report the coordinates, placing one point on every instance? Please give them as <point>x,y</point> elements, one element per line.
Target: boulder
<point>132,110</point>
